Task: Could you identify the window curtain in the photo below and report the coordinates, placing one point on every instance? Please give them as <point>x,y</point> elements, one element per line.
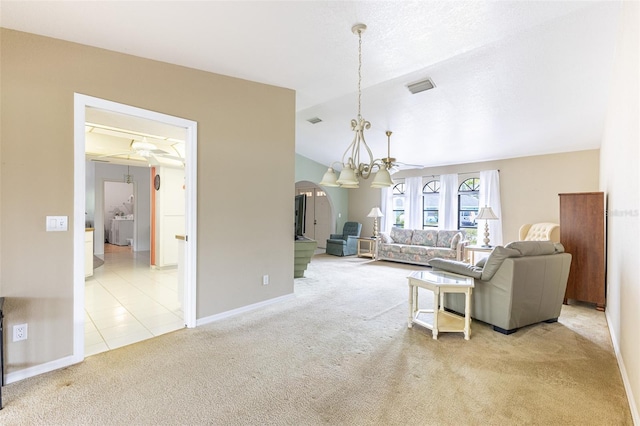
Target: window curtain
<point>489,195</point>
<point>413,203</point>
<point>448,204</point>
<point>386,206</point>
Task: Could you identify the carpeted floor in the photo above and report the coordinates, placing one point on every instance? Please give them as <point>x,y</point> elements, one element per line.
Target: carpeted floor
<point>339,353</point>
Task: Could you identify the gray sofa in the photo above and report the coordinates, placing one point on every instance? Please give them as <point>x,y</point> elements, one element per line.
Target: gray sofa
<point>520,284</point>
<point>419,246</point>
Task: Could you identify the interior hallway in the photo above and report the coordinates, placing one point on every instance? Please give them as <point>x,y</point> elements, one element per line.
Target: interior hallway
<point>126,301</point>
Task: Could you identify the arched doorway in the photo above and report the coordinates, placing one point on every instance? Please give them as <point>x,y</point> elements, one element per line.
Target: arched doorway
<point>318,217</point>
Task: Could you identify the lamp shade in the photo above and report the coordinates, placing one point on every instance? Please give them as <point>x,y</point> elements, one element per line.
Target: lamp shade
<point>375,212</point>
<point>486,213</point>
<point>382,179</point>
<point>329,178</point>
<point>348,177</point>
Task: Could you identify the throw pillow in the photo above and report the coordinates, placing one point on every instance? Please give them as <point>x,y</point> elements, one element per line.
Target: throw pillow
<point>495,259</point>
<point>456,267</point>
<point>385,238</point>
<point>455,240</point>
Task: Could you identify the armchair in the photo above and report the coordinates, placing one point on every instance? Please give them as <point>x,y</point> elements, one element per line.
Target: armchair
<point>345,244</point>
<point>540,232</point>
<point>520,284</point>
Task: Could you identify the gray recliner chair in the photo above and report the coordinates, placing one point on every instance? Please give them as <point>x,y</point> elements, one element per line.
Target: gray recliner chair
<point>345,244</point>
<point>520,284</point>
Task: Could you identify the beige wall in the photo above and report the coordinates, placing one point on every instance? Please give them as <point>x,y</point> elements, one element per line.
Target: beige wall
<point>239,123</point>
<point>620,180</point>
<point>529,187</point>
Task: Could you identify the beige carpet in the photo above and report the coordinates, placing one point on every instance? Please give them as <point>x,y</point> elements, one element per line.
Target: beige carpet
<point>340,353</point>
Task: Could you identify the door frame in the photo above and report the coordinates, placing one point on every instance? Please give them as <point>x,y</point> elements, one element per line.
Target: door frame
<point>81,102</point>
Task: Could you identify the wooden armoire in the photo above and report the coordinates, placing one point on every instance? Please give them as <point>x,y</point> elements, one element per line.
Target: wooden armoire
<point>582,233</point>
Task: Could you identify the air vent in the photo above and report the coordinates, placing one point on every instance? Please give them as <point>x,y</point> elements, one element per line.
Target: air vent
<point>421,86</point>
<point>314,120</point>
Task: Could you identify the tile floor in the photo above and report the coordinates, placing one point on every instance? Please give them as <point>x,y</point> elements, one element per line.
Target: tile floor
<point>126,301</point>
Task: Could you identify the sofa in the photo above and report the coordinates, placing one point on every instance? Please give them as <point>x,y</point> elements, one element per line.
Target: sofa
<point>419,246</point>
<point>520,284</point>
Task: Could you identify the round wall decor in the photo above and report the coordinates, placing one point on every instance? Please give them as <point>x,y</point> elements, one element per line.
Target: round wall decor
<point>156,182</point>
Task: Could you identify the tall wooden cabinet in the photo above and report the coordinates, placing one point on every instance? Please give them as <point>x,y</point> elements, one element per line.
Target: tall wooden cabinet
<point>582,233</point>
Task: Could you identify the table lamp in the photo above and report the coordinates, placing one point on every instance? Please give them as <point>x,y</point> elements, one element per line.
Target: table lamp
<point>375,213</point>
<point>486,214</point>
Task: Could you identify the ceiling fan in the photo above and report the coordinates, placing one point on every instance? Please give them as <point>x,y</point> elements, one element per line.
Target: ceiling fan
<point>392,164</point>
<point>149,151</point>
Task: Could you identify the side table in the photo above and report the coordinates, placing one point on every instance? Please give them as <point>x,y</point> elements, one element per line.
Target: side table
<point>368,247</point>
<point>470,252</point>
<point>440,282</point>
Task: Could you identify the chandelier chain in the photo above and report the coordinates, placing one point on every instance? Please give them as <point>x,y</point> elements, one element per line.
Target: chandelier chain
<point>359,73</point>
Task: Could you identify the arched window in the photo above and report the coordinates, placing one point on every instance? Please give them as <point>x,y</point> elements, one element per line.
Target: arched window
<point>398,205</point>
<point>430,202</point>
<point>468,205</point>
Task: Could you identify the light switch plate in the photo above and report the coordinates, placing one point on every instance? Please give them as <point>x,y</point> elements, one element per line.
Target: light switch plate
<point>57,223</point>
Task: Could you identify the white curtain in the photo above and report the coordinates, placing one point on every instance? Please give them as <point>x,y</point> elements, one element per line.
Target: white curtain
<point>489,195</point>
<point>413,203</point>
<point>448,204</point>
<point>386,205</point>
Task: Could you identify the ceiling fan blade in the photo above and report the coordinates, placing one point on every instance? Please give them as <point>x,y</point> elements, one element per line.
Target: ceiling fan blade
<point>407,166</point>
<point>115,154</point>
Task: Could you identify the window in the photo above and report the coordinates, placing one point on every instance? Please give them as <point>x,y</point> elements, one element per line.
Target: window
<point>398,205</point>
<point>430,202</point>
<point>468,206</point>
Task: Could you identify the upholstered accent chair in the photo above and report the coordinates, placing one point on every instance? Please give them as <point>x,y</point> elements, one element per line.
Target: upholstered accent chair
<point>345,244</point>
<point>520,284</point>
<point>544,231</point>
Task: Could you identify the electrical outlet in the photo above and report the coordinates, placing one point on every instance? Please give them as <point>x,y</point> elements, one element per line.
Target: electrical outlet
<point>19,332</point>
<point>265,279</point>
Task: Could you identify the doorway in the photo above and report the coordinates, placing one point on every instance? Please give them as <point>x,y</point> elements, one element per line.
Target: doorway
<point>187,278</point>
<point>318,215</point>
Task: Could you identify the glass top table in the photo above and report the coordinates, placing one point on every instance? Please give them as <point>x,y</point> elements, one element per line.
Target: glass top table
<point>437,319</point>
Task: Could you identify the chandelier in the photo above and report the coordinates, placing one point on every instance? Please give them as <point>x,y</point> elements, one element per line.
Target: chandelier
<point>352,165</point>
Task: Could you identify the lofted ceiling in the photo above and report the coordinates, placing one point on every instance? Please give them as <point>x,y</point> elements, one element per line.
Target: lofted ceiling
<point>513,78</point>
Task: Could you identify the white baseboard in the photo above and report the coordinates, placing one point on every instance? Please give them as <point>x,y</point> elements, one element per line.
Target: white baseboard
<point>70,360</point>
<point>623,372</point>
<point>40,369</point>
<point>242,310</point>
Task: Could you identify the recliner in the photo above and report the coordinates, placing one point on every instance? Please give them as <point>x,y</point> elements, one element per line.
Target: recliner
<point>520,284</point>
<point>345,244</point>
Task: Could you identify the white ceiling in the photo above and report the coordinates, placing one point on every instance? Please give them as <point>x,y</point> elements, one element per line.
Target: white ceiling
<point>111,137</point>
<point>512,78</point>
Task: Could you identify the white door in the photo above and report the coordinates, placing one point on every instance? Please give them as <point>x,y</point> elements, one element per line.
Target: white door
<point>322,217</point>
<point>318,215</point>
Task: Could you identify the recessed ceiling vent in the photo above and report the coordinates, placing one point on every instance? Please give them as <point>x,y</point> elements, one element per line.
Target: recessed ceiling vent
<point>421,86</point>
<point>314,120</point>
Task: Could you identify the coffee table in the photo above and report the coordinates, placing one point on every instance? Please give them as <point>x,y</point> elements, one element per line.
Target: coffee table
<point>440,282</point>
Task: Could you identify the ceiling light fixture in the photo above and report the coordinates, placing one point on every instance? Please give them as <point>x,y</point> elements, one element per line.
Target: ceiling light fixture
<point>352,167</point>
